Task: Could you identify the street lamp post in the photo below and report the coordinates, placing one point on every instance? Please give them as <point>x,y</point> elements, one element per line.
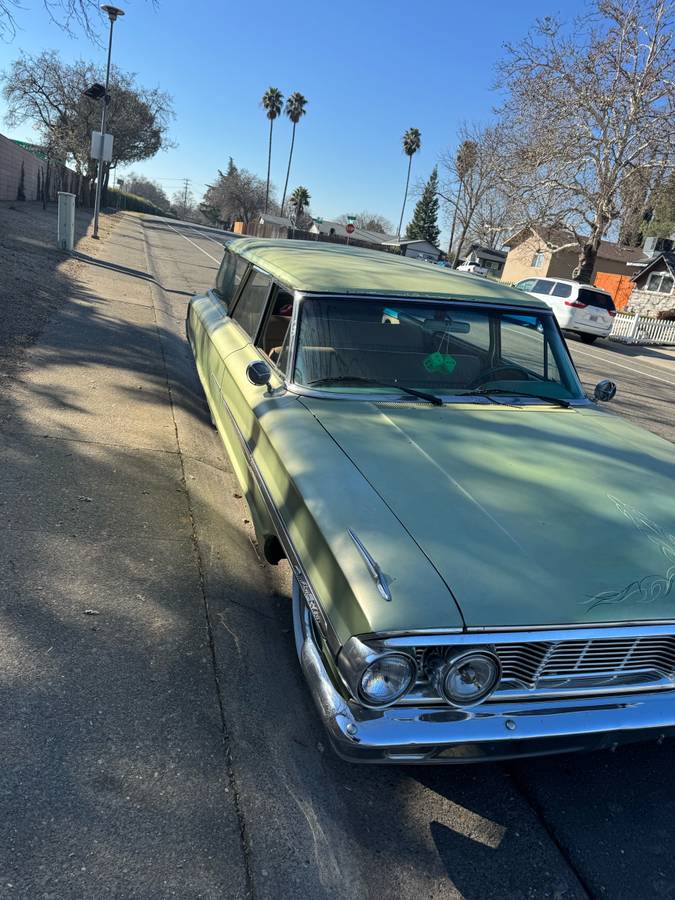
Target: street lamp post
<point>113,13</point>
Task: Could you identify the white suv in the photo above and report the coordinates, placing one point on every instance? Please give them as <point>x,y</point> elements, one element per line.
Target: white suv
<point>581,308</point>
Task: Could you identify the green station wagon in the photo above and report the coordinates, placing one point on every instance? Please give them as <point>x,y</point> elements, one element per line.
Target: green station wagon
<point>483,559</point>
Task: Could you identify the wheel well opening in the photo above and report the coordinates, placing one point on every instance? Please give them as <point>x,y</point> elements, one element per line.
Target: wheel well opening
<point>272,549</point>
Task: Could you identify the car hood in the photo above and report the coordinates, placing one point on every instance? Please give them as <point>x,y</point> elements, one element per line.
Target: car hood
<point>533,515</point>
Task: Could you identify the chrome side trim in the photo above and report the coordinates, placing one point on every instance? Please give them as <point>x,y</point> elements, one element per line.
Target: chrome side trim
<point>373,567</point>
<point>299,570</point>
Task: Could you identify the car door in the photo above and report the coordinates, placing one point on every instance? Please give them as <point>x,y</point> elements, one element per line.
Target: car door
<point>209,325</point>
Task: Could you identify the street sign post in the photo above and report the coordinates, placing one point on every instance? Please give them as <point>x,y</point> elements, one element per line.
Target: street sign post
<point>96,146</point>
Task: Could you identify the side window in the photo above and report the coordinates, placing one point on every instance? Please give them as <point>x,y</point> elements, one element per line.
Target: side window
<point>519,347</point>
<point>542,286</point>
<point>596,298</point>
<point>562,290</point>
<point>229,276</point>
<point>526,285</point>
<point>251,303</point>
<point>274,336</point>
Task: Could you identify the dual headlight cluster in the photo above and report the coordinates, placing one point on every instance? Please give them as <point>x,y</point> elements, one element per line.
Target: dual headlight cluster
<point>380,678</point>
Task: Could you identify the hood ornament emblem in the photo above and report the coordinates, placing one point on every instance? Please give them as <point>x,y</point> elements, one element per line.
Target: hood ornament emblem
<point>374,569</point>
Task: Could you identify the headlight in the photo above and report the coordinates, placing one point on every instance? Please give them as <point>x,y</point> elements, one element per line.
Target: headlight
<point>467,677</point>
<point>386,679</point>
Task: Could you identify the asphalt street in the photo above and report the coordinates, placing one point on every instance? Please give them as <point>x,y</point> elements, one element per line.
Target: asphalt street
<point>560,827</point>
<point>159,739</point>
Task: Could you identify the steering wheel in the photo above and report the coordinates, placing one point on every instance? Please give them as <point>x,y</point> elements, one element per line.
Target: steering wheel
<point>520,375</point>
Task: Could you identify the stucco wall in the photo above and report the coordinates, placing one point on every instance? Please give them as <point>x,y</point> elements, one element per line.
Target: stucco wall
<point>562,264</point>
<point>649,302</point>
<point>11,158</point>
<point>555,265</point>
<point>517,265</point>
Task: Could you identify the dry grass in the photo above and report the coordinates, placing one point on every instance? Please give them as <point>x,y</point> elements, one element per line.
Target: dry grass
<point>35,276</point>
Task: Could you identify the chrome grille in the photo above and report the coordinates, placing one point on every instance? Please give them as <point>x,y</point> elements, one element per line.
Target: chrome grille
<point>530,664</point>
<point>589,665</point>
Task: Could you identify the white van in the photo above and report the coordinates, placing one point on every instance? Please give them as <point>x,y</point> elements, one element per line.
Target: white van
<point>581,308</point>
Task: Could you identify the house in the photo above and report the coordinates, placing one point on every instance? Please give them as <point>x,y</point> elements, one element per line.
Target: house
<point>529,254</point>
<point>654,285</point>
<point>330,229</point>
<point>492,260</point>
<point>272,226</point>
<point>417,249</point>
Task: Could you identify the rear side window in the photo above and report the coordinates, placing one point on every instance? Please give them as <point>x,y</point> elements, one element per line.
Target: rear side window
<point>251,303</point>
<point>542,286</point>
<point>596,298</point>
<point>562,290</point>
<point>229,276</point>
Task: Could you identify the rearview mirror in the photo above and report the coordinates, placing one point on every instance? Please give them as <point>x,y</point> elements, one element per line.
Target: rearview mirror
<point>447,326</point>
<point>604,390</point>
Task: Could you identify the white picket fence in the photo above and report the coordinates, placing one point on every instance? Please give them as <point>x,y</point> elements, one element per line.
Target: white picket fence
<point>642,330</point>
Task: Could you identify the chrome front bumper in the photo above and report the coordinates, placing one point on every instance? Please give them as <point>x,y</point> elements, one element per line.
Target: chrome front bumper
<point>493,731</point>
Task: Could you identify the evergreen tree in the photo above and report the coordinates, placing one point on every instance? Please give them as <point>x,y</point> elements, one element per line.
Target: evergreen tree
<point>662,220</point>
<point>21,190</point>
<point>424,223</point>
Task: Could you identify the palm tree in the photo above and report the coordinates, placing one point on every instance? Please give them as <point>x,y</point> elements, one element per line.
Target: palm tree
<point>295,110</point>
<point>299,199</point>
<point>272,102</point>
<point>412,141</point>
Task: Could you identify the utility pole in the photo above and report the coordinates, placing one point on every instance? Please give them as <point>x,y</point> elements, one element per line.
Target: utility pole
<point>185,195</point>
<point>113,13</point>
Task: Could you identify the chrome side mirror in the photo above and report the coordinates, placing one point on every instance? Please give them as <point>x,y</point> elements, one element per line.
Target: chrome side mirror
<point>604,390</point>
<point>259,373</point>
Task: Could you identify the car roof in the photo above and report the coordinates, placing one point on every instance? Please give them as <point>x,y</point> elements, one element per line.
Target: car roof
<point>590,287</point>
<point>326,268</point>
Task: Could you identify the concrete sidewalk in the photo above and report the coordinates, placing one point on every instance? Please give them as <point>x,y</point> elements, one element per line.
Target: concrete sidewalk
<point>115,778</point>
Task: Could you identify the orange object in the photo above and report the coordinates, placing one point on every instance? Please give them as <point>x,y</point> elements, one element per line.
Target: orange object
<point>619,286</point>
<point>239,228</point>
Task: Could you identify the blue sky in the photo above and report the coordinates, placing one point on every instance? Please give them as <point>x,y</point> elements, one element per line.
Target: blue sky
<point>369,69</point>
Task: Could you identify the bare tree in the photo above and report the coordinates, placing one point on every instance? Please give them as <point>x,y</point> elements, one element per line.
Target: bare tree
<point>146,188</point>
<point>471,185</point>
<point>237,194</point>
<point>584,108</point>
<point>69,15</point>
<point>368,221</point>
<point>183,205</point>
<point>47,92</point>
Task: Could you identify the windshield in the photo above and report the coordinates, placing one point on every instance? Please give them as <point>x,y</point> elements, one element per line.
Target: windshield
<point>367,345</point>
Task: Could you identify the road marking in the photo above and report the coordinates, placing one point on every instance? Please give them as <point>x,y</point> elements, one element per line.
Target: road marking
<point>622,366</point>
<point>201,249</point>
<point>213,240</point>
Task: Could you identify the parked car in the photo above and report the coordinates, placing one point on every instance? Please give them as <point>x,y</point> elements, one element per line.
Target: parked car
<point>586,310</point>
<point>483,560</point>
<point>472,267</point>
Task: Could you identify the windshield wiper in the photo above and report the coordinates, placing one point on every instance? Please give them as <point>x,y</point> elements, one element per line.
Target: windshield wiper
<point>357,379</point>
<point>485,392</point>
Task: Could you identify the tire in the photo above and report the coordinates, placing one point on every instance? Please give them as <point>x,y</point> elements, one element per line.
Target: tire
<point>587,338</point>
